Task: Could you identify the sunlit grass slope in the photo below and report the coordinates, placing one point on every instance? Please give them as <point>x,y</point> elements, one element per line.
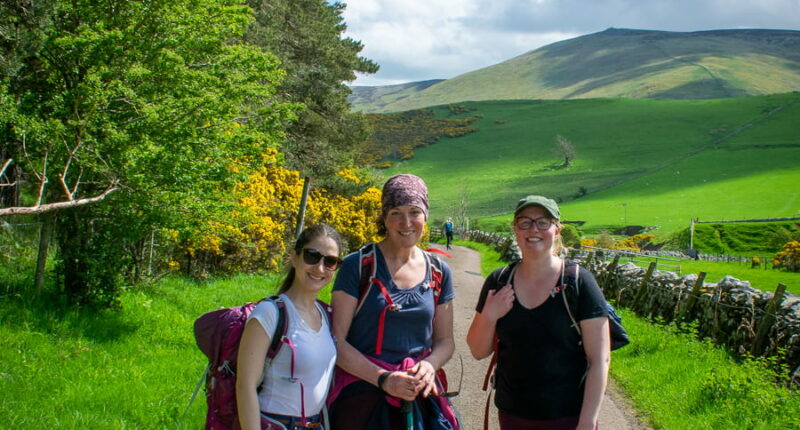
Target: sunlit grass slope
<point>641,162</point>
<point>129,368</point>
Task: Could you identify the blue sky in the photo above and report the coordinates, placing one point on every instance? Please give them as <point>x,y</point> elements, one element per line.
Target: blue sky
<point>414,40</point>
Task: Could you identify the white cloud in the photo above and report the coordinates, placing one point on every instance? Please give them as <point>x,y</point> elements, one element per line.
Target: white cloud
<point>415,40</point>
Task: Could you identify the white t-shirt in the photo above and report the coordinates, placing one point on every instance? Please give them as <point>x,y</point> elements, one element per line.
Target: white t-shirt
<point>315,357</point>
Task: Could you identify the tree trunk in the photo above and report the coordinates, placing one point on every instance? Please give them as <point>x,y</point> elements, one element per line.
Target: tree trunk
<point>72,241</point>
<point>301,213</point>
<point>45,232</point>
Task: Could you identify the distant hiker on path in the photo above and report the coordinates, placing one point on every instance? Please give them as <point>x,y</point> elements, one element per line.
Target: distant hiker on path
<point>547,376</point>
<point>447,229</point>
<point>289,391</point>
<point>393,321</point>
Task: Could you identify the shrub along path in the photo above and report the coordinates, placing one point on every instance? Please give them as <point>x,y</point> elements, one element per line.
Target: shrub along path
<point>615,414</point>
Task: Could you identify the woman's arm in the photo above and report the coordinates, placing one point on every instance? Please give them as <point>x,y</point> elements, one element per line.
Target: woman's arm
<point>596,341</point>
<point>442,349</point>
<point>398,384</point>
<point>480,337</point>
<point>250,372</point>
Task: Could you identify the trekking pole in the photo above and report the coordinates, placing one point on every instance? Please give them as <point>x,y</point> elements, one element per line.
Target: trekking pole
<point>408,410</point>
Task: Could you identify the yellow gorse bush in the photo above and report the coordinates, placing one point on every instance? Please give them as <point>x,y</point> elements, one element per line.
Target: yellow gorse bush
<point>788,257</point>
<point>257,233</point>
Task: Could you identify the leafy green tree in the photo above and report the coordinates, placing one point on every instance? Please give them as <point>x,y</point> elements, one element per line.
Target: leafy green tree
<point>159,100</point>
<point>564,149</point>
<point>571,236</point>
<point>307,36</point>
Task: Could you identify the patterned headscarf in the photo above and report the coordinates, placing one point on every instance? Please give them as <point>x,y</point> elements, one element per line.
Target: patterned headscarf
<point>401,190</point>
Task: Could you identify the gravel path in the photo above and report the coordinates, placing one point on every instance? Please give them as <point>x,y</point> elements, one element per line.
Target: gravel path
<point>470,403</point>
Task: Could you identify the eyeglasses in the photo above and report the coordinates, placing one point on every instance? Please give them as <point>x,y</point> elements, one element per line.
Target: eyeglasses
<point>525,223</point>
<point>311,257</point>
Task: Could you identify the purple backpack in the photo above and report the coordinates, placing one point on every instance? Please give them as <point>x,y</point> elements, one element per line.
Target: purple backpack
<point>218,334</point>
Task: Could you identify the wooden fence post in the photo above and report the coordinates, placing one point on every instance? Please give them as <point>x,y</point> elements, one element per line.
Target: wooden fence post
<point>610,270</point>
<point>643,286</point>
<point>692,299</point>
<point>588,260</point>
<point>769,319</point>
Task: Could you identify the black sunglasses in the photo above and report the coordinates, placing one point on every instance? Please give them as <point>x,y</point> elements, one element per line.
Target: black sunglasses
<point>311,257</point>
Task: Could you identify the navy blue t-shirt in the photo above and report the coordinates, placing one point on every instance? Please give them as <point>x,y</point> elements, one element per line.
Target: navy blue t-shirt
<point>408,331</point>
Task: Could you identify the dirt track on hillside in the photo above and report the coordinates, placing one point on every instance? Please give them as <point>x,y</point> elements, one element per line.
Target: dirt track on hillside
<point>465,263</point>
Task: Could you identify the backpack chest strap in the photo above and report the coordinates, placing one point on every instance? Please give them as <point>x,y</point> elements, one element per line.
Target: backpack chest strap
<point>390,306</point>
<point>368,268</point>
<point>285,339</point>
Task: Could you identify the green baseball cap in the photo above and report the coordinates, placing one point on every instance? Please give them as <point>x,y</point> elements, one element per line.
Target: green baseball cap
<point>549,205</point>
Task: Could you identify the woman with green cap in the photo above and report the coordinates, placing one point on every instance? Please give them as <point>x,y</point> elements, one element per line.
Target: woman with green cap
<point>548,376</point>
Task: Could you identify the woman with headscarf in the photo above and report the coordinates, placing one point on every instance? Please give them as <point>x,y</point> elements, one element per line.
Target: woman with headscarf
<point>394,331</point>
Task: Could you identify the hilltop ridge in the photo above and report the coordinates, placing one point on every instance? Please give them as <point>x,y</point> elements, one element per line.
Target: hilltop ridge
<point>617,62</point>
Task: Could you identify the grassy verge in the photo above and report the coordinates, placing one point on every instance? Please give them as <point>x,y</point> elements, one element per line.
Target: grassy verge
<point>679,382</point>
<point>134,368</point>
<point>490,259</point>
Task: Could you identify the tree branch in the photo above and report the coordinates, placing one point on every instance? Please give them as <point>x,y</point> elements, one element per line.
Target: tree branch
<point>3,172</point>
<point>43,181</point>
<point>38,209</point>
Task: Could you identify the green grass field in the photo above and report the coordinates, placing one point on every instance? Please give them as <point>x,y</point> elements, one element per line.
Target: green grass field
<point>133,368</point>
<point>642,162</point>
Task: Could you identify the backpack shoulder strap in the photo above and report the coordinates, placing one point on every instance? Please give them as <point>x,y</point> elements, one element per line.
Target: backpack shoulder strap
<point>281,328</point>
<point>328,314</point>
<point>571,288</point>
<point>435,265</point>
<point>367,268</point>
<point>506,276</point>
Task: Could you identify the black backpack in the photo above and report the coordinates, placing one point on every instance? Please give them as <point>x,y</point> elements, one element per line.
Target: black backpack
<point>618,335</point>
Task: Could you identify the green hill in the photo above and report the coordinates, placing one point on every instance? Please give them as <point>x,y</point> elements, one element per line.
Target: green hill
<point>375,99</point>
<point>639,161</point>
<point>621,63</point>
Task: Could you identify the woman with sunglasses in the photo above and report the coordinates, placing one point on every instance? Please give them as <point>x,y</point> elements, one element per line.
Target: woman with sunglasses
<point>392,341</point>
<point>289,391</point>
<point>547,375</point>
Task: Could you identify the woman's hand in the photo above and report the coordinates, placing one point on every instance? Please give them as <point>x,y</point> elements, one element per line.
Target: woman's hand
<point>498,303</point>
<point>425,376</point>
<point>401,385</point>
